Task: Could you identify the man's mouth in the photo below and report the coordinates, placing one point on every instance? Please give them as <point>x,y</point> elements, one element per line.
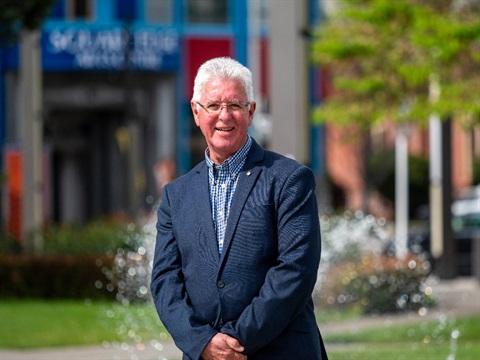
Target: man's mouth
<point>224,129</point>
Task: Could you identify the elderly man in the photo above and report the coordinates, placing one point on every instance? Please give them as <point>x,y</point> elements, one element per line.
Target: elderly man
<point>238,239</point>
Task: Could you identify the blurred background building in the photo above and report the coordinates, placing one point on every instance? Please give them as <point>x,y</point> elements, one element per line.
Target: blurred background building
<point>117,80</point>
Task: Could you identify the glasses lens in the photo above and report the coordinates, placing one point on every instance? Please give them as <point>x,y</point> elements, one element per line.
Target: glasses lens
<point>233,107</point>
<point>213,107</point>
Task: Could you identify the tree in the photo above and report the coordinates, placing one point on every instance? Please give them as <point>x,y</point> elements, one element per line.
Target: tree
<point>27,14</point>
<point>382,56</point>
<point>400,60</point>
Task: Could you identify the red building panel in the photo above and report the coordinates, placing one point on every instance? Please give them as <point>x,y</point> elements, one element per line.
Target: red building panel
<point>264,70</point>
<point>199,50</point>
<point>13,168</point>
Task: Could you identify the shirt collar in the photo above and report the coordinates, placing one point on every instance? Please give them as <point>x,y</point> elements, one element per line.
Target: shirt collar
<point>235,162</point>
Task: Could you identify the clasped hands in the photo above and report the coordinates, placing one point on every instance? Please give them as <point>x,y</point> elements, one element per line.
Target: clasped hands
<point>223,347</point>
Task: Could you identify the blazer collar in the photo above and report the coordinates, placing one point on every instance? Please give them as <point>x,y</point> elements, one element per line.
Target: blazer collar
<point>200,190</point>
<point>203,210</point>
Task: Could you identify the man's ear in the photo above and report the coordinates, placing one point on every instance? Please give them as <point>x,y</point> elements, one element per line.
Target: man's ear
<point>194,107</point>
<point>251,111</point>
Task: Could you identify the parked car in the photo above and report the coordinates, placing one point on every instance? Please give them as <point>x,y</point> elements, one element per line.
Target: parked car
<point>466,227</point>
<point>466,230</point>
<point>467,202</point>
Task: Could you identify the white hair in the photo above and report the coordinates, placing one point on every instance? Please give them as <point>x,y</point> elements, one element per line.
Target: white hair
<point>223,68</point>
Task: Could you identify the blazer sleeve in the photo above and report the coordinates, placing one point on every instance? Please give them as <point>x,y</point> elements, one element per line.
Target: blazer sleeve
<point>190,333</point>
<point>289,284</point>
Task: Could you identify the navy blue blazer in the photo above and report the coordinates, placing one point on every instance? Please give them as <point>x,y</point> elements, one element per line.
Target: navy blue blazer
<point>259,289</point>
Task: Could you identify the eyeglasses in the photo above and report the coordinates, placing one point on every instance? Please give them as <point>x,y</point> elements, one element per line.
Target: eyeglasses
<point>233,107</point>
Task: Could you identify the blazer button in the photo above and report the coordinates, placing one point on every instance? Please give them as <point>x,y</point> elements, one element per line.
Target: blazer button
<point>220,284</point>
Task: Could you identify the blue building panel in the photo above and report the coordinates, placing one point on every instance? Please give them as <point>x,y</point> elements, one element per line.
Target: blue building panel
<point>79,48</point>
<point>105,11</point>
<point>240,22</point>
<point>9,57</point>
<point>2,109</point>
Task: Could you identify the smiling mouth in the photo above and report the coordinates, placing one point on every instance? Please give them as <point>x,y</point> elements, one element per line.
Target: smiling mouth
<point>225,129</point>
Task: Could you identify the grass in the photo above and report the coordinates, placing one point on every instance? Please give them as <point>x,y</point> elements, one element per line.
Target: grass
<point>409,351</point>
<point>337,315</point>
<point>34,324</point>
<point>443,339</point>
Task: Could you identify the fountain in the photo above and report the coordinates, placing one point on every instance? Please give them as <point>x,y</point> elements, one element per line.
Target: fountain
<point>130,279</point>
<point>345,239</point>
<point>353,238</point>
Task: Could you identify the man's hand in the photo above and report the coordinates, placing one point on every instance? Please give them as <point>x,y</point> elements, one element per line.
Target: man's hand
<point>223,347</point>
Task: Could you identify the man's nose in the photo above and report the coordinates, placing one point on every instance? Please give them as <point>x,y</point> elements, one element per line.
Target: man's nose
<point>224,114</point>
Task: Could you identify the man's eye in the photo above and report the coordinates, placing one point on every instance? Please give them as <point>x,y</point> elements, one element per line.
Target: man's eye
<point>235,106</point>
<point>213,106</point>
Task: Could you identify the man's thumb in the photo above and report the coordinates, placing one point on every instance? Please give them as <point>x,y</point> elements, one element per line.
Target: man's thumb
<point>234,344</point>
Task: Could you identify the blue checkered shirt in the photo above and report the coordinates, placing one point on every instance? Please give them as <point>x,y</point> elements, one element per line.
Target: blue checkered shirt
<point>223,181</point>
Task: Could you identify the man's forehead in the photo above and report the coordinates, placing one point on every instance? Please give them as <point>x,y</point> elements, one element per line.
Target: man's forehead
<point>218,87</point>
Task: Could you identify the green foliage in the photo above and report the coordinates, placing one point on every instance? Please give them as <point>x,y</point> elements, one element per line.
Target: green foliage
<point>28,14</point>
<point>75,262</point>
<point>381,56</point>
<point>9,244</point>
<point>53,276</point>
<point>100,236</point>
<point>97,237</point>
<point>355,276</point>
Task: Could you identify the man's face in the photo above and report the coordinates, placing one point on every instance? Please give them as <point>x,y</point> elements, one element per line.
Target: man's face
<point>225,129</point>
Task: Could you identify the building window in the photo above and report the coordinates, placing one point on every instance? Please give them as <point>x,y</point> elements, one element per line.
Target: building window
<point>79,9</point>
<point>58,10</point>
<point>207,11</point>
<point>159,11</point>
<point>126,9</point>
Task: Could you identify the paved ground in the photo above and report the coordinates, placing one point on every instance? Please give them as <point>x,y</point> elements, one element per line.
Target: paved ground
<point>456,298</point>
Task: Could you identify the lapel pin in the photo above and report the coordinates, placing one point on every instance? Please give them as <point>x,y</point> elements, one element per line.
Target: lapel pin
<point>249,173</point>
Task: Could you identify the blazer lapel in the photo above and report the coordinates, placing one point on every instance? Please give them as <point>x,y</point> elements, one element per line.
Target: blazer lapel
<point>247,178</point>
<point>203,211</point>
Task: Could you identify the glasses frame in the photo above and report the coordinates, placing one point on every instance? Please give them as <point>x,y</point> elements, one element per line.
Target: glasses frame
<point>221,107</point>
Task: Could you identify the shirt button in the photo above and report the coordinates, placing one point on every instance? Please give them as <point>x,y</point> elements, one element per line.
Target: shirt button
<point>220,284</point>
